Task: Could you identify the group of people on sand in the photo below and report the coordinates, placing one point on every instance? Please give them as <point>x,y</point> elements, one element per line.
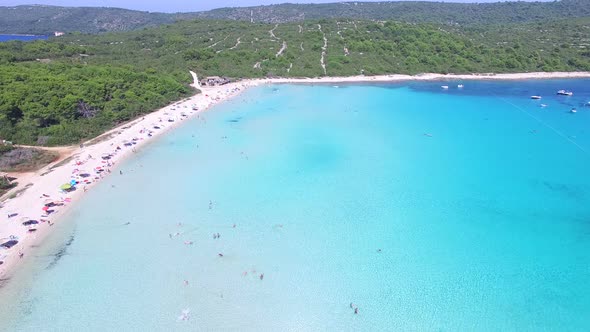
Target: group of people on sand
<point>88,171</point>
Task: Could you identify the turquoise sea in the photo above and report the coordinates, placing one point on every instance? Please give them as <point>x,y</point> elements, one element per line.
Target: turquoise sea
<point>428,210</point>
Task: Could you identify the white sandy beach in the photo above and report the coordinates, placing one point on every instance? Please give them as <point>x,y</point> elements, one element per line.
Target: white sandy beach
<point>434,77</point>
<point>44,185</point>
<point>124,140</point>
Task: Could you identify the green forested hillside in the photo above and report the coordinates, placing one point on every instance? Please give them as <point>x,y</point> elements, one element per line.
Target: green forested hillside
<point>409,11</point>
<point>47,19</point>
<point>44,20</point>
<point>65,89</point>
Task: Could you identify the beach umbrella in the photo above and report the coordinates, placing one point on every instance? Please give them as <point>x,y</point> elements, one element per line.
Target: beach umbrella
<point>45,208</point>
<point>73,183</point>
<point>66,186</point>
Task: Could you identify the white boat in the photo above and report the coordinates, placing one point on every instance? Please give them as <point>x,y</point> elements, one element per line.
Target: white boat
<point>460,86</point>
<point>573,110</point>
<point>565,93</point>
<point>543,105</point>
<point>535,97</point>
<point>445,87</point>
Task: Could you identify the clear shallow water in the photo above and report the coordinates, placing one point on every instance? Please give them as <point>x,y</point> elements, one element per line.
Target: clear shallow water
<point>4,38</point>
<point>483,226</point>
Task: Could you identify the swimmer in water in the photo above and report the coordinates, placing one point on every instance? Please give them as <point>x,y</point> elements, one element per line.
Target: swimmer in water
<point>184,315</point>
<point>261,276</point>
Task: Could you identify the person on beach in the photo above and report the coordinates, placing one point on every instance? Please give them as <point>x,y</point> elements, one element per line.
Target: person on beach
<point>120,172</point>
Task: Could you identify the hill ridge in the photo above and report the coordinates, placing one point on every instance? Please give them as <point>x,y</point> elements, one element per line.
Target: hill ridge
<point>45,19</point>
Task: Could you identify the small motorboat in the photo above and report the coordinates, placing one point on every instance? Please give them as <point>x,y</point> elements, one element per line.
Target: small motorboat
<point>543,105</point>
<point>460,86</point>
<point>573,110</point>
<point>444,87</point>
<point>535,97</point>
<point>565,93</point>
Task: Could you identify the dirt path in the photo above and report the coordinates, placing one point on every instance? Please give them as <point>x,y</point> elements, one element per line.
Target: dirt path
<point>215,44</point>
<point>272,32</point>
<point>282,49</point>
<point>324,48</point>
<point>238,42</point>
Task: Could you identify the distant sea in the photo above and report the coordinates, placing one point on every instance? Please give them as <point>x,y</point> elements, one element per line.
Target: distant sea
<point>428,209</point>
<point>4,38</point>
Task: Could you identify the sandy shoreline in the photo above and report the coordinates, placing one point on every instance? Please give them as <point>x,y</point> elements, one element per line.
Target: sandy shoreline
<point>87,166</point>
<point>433,77</point>
<point>121,142</point>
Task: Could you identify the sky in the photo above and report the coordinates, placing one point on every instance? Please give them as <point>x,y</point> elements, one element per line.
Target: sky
<point>173,5</point>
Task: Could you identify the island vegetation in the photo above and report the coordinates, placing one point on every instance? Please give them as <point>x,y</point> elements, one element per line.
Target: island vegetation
<point>42,19</point>
<point>68,89</point>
